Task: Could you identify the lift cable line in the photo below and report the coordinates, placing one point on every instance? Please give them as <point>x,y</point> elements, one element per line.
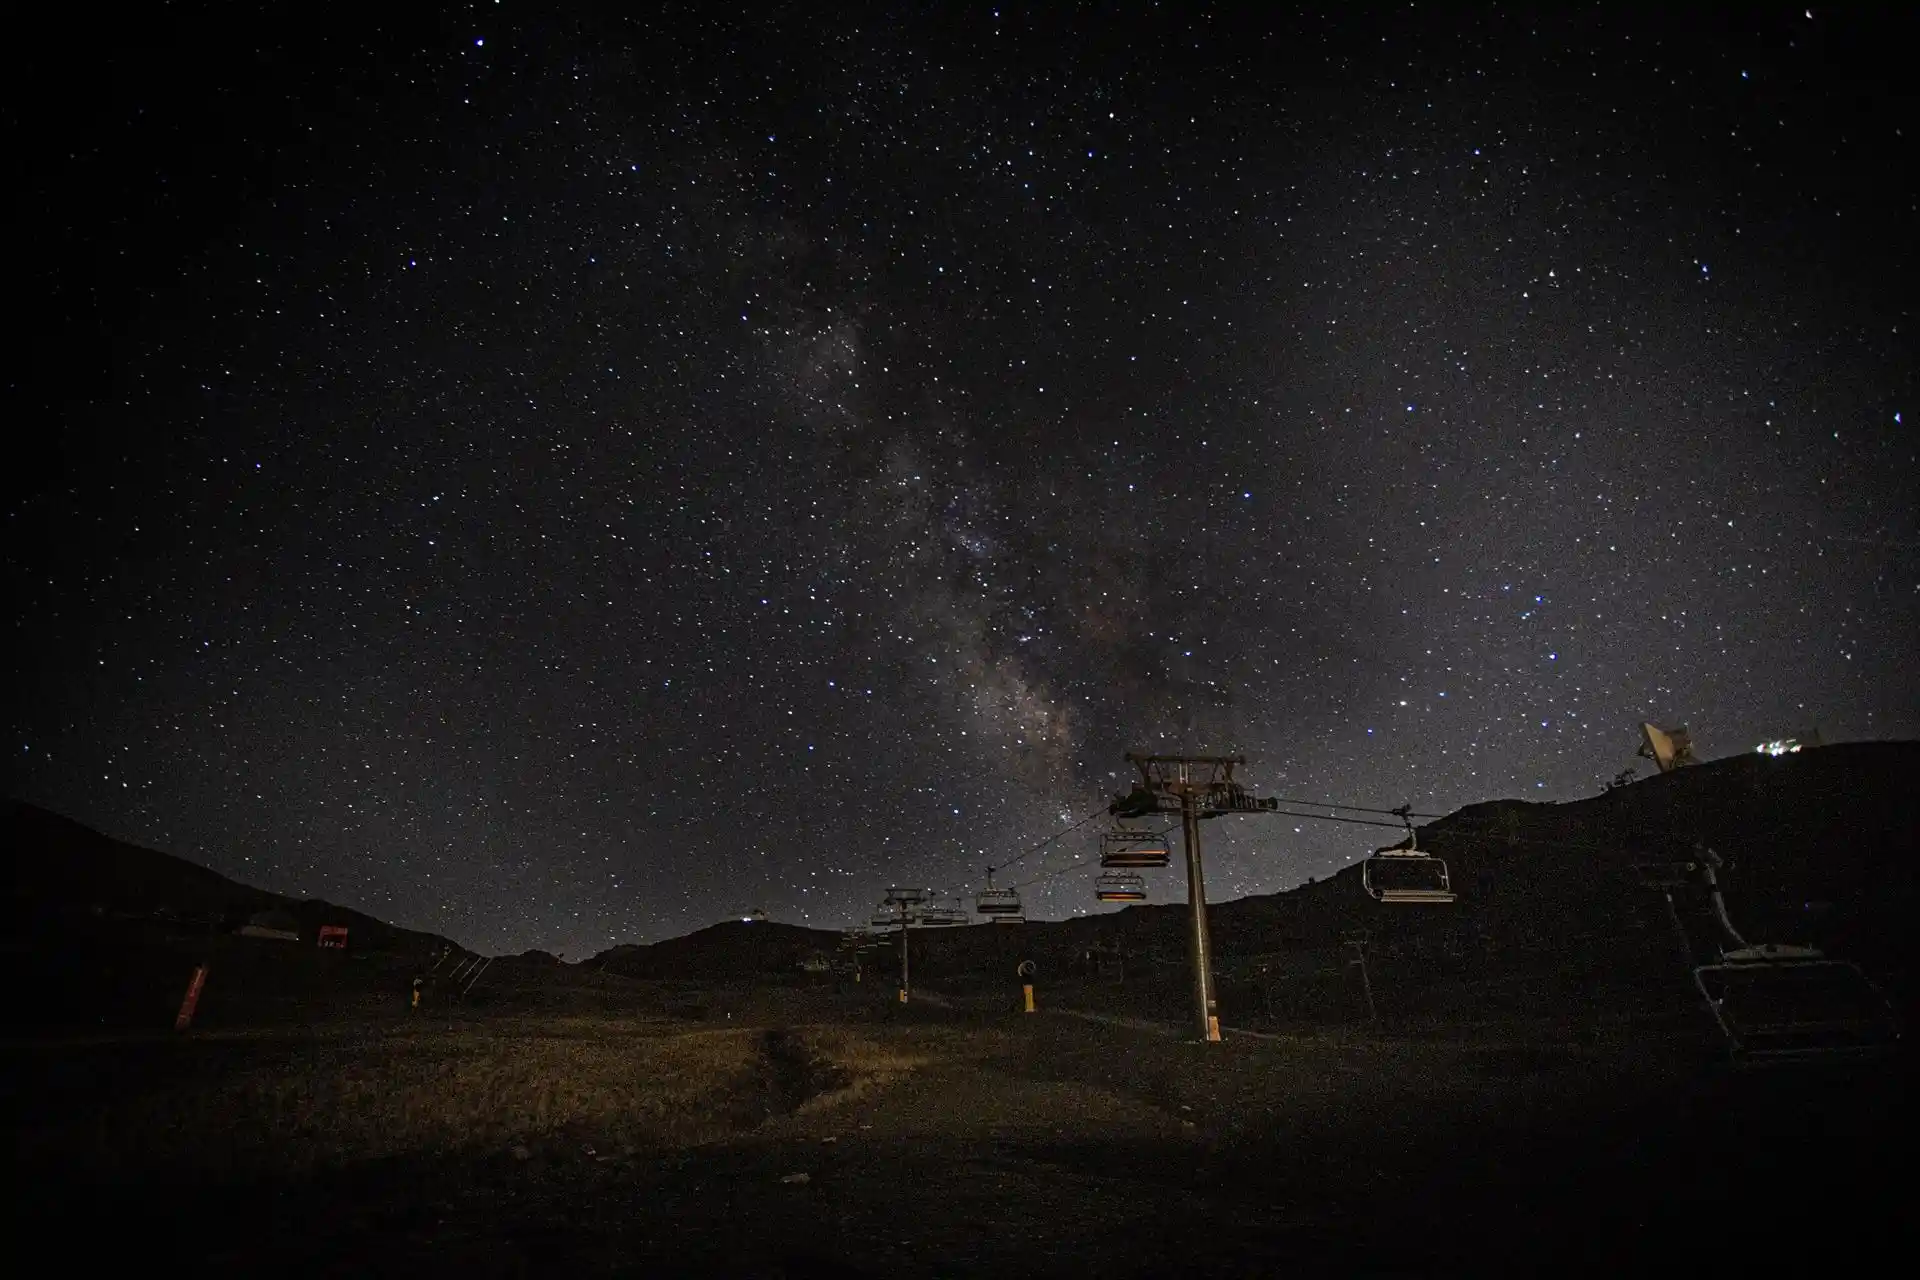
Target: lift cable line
<point>1029,852</point>
<point>1458,827</point>
<point>1331,817</point>
<point>1054,874</point>
<point>1357,808</point>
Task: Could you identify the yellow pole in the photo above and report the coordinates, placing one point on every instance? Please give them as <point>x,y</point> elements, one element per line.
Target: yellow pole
<point>1027,988</point>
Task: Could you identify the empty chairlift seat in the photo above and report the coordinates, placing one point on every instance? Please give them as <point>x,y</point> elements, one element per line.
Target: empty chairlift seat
<point>1402,873</point>
<point>1114,886</point>
<point>999,904</point>
<point>1133,849</point>
<point>1778,1002</point>
<point>1774,1002</point>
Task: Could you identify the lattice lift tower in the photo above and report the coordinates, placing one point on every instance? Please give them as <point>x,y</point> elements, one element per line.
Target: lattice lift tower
<point>1195,787</point>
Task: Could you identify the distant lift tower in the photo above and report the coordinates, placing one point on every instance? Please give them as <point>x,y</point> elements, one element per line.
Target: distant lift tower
<point>901,909</point>
<point>1195,787</point>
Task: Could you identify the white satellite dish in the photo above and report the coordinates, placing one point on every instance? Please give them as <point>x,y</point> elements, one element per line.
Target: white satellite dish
<point>1667,748</point>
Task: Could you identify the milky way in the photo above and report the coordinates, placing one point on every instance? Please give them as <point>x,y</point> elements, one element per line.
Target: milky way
<point>560,483</point>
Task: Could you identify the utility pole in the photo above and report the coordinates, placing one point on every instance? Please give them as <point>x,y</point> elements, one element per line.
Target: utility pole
<point>1195,787</point>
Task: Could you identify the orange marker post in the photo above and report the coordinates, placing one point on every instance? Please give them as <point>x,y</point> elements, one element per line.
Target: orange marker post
<point>185,1017</point>
<point>1027,990</point>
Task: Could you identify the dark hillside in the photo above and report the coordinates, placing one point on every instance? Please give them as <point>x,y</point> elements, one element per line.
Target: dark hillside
<point>107,934</point>
<point>1820,846</point>
<point>59,868</point>
<point>730,950</point>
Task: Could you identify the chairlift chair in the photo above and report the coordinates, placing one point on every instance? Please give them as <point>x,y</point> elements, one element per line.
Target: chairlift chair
<point>942,917</point>
<point>1133,849</point>
<point>1402,873</point>
<point>1776,1003</point>
<point>998,904</point>
<point>1114,886</point>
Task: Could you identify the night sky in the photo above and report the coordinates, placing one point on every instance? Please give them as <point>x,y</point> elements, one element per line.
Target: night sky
<point>563,482</point>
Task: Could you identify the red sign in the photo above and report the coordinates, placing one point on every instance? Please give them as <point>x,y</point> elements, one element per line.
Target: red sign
<point>333,935</point>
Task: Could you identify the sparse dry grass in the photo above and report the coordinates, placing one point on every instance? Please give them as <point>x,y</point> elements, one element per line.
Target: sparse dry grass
<point>285,1103</point>
<point>864,1059</point>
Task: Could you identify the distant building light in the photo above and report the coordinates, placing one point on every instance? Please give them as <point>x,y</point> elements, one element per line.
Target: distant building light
<point>1779,747</point>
